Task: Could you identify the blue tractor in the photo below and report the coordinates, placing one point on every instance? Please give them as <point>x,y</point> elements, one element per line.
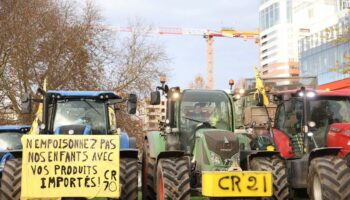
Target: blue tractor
<point>10,143</point>
<point>79,113</point>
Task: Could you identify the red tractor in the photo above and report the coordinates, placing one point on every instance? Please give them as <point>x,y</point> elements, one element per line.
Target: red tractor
<point>312,132</point>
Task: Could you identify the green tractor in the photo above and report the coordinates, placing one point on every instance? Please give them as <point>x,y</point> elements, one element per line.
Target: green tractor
<point>78,113</point>
<point>197,153</point>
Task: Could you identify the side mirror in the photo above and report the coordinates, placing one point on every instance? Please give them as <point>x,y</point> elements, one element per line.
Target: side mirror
<point>259,97</point>
<point>26,105</point>
<point>132,103</point>
<point>155,98</point>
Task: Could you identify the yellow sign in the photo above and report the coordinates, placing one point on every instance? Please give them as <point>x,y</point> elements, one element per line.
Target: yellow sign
<point>70,166</point>
<point>236,184</point>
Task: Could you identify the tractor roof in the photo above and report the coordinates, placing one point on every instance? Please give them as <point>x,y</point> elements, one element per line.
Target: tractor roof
<point>15,128</point>
<point>84,94</point>
<point>204,95</point>
<point>342,93</point>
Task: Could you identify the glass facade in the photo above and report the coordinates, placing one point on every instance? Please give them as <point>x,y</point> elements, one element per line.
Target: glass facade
<point>343,4</point>
<point>269,16</point>
<point>263,1</point>
<point>324,56</point>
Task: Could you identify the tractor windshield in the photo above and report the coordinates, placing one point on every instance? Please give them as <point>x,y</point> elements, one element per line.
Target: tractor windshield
<point>80,117</point>
<point>204,106</point>
<point>10,141</point>
<point>325,111</point>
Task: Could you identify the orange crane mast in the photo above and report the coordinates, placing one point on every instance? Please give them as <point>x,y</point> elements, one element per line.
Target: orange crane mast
<point>205,33</point>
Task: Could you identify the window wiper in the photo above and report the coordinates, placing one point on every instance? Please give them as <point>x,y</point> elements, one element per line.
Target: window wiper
<point>201,123</point>
<point>91,106</point>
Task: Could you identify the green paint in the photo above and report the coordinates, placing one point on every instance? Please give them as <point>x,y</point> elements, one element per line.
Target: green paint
<point>156,143</point>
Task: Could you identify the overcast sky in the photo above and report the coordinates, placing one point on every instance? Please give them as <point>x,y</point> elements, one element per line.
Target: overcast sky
<point>233,58</point>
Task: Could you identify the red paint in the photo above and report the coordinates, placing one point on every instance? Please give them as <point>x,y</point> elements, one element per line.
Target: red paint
<point>144,171</point>
<point>340,93</point>
<point>161,188</point>
<point>283,144</point>
<point>339,136</point>
<point>336,85</point>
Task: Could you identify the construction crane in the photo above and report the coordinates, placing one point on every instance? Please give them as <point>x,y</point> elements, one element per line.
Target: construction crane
<point>207,34</point>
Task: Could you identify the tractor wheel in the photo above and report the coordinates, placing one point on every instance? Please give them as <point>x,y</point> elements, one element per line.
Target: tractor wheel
<point>11,180</point>
<point>129,178</point>
<point>148,174</point>
<point>347,159</point>
<point>280,177</point>
<point>173,179</point>
<point>328,179</point>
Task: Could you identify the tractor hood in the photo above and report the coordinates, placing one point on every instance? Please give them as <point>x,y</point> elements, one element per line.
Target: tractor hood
<point>339,136</point>
<point>222,142</point>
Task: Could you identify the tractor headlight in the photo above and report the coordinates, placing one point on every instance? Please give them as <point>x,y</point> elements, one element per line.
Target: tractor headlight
<point>250,131</point>
<point>215,158</point>
<point>176,95</point>
<point>241,91</point>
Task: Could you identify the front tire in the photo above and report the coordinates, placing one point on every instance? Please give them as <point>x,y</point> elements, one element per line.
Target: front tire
<point>277,166</point>
<point>11,180</point>
<point>173,179</point>
<point>129,178</point>
<point>328,179</point>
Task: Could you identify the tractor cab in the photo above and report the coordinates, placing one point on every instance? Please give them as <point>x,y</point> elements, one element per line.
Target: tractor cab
<point>10,136</point>
<point>327,114</point>
<point>81,112</point>
<point>203,109</point>
<point>253,114</point>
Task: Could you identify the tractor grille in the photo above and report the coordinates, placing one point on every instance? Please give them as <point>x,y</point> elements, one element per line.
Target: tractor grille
<point>223,143</point>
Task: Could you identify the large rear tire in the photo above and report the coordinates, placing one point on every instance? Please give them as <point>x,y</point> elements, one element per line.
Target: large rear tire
<point>129,178</point>
<point>277,166</point>
<point>148,174</point>
<point>173,179</point>
<point>11,180</point>
<point>329,179</point>
<point>347,159</point>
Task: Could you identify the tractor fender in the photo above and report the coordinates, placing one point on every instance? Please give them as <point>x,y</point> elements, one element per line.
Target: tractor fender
<point>8,155</point>
<point>246,156</point>
<point>156,143</point>
<point>12,153</point>
<point>129,153</point>
<point>324,151</point>
<point>167,154</point>
<point>4,158</point>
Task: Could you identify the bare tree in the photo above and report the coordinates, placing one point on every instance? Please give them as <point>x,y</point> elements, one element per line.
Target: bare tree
<point>46,39</point>
<point>139,62</point>
<point>68,46</point>
<point>198,83</point>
